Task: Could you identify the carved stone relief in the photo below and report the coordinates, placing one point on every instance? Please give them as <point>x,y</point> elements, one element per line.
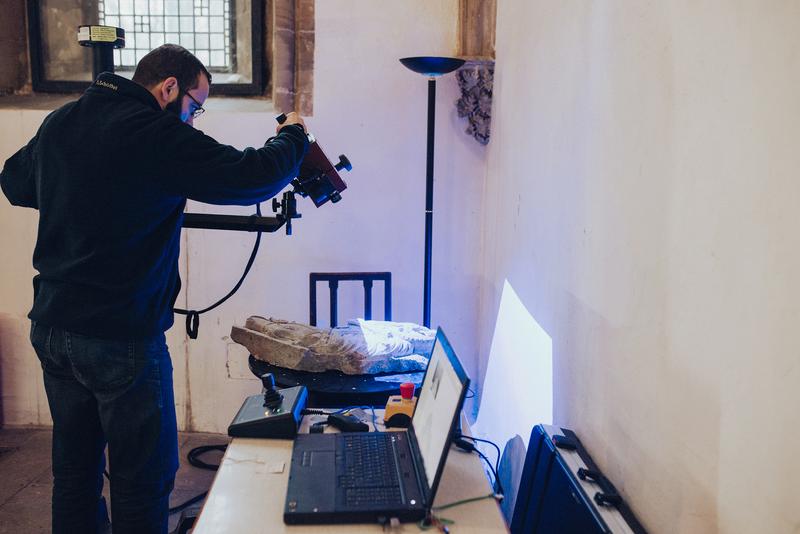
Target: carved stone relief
<point>475,81</point>
<point>476,45</point>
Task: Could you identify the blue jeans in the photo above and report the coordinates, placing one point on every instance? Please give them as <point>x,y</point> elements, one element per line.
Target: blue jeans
<point>117,393</point>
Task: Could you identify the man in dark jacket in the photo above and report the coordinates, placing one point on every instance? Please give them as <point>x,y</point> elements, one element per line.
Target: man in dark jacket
<point>110,174</point>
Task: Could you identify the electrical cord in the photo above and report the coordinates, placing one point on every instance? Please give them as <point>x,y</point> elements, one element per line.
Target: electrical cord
<point>318,427</point>
<point>492,443</point>
<point>441,523</point>
<point>497,485</point>
<point>193,457</point>
<point>195,453</point>
<point>465,501</point>
<point>371,408</point>
<point>470,447</point>
<point>186,504</point>
<point>433,521</point>
<point>312,411</point>
<point>193,316</point>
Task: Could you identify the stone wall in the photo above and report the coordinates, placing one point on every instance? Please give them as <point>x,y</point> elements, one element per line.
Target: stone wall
<point>290,47</point>
<point>476,28</point>
<point>14,72</point>
<point>476,36</point>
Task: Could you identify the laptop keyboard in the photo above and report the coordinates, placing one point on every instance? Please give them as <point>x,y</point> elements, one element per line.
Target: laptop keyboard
<point>369,476</point>
<point>372,496</point>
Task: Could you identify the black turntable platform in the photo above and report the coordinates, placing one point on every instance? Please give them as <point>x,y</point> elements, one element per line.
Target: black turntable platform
<point>334,389</point>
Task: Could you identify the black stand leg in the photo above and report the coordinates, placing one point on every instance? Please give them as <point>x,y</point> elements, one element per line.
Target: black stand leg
<point>426,299</point>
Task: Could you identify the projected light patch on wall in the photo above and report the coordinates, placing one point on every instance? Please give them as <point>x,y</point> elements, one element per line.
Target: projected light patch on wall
<point>518,390</point>
<point>201,26</point>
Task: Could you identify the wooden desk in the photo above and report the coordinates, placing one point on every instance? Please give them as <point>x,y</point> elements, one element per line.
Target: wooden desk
<point>249,491</point>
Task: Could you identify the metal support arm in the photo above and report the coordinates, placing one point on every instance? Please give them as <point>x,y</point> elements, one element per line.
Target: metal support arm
<point>241,223</point>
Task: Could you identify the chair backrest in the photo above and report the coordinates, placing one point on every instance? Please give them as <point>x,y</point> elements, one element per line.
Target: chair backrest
<point>333,280</point>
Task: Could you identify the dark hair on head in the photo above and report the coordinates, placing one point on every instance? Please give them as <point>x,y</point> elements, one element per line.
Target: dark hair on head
<point>170,60</point>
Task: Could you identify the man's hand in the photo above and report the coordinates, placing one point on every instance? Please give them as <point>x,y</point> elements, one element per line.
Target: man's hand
<point>291,118</point>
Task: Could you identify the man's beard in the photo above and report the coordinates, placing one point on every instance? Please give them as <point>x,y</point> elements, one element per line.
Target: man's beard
<point>174,107</point>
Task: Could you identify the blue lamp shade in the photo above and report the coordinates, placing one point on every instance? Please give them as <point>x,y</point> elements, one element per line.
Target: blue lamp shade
<point>432,66</point>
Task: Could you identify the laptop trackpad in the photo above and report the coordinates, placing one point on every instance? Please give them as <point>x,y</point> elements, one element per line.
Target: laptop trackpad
<point>313,482</point>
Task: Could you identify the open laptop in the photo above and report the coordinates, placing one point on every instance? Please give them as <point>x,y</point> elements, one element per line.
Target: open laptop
<point>364,477</point>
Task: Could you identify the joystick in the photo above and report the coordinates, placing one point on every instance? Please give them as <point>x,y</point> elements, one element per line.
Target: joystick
<point>272,399</point>
<point>275,413</point>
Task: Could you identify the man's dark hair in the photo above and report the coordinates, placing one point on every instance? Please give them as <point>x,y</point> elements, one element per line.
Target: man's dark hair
<point>170,60</point>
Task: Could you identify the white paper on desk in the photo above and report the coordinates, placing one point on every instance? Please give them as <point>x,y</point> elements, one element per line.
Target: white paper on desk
<point>270,468</point>
<point>259,467</point>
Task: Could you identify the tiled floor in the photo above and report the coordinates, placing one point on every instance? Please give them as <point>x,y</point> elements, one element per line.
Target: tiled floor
<point>26,480</point>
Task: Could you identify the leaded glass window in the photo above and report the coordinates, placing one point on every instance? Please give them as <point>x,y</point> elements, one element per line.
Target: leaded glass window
<point>201,26</point>
<point>226,35</point>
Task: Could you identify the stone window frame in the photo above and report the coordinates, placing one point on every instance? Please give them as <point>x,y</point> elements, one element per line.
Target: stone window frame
<point>288,46</point>
<point>254,10</point>
<point>290,53</point>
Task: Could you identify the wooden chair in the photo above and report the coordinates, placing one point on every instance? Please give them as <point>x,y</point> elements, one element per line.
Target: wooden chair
<point>333,280</point>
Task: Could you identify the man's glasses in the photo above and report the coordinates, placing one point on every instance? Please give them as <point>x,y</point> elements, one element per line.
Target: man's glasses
<point>199,110</point>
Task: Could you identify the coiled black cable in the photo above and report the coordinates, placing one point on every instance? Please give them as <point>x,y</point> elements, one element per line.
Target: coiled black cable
<point>193,316</point>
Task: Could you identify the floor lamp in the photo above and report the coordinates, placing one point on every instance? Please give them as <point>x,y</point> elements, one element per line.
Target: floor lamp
<point>430,67</point>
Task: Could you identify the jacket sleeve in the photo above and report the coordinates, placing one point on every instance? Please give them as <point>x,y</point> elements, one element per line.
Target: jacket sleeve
<point>194,165</point>
<point>17,178</point>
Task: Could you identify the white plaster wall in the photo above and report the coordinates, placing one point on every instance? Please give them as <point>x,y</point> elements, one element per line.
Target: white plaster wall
<point>642,201</point>
<point>368,106</point>
<point>22,397</point>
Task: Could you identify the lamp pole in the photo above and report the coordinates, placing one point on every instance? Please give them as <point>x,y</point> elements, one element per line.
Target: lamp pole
<point>431,67</point>
<point>426,288</point>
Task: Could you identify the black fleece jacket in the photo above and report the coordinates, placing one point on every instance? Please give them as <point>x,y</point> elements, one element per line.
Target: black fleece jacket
<point>110,174</point>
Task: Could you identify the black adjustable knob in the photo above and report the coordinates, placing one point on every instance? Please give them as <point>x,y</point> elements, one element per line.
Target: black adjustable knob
<point>268,381</point>
<point>272,398</point>
<point>344,163</point>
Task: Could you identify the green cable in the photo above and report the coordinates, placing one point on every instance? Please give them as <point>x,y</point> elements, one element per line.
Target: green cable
<point>445,521</point>
<point>463,501</point>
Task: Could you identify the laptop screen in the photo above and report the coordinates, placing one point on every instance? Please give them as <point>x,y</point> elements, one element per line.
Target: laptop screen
<point>439,398</point>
